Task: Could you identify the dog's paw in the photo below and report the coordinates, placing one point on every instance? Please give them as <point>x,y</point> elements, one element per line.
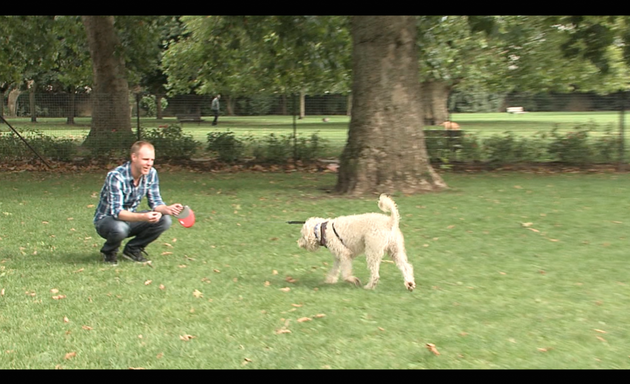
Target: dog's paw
<point>354,280</point>
<point>410,285</point>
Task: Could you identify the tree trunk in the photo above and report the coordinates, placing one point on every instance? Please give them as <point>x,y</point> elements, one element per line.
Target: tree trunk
<point>385,151</point>
<point>12,102</point>
<point>158,106</point>
<point>435,102</point>
<point>31,100</point>
<point>302,104</point>
<point>71,110</point>
<point>110,95</point>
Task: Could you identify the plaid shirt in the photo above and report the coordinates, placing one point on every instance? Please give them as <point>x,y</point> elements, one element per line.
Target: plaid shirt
<point>119,192</point>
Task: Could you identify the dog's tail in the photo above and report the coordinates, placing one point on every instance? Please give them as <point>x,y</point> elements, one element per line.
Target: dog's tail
<point>386,204</point>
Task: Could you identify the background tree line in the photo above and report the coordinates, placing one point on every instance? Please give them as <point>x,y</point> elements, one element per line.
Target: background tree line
<point>115,56</point>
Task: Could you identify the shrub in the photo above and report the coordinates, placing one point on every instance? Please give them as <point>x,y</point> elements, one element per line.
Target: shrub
<point>572,147</point>
<point>228,148</point>
<point>171,143</point>
<point>13,148</point>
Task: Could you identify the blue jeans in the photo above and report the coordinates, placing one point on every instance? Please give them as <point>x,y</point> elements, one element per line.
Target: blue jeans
<point>115,231</point>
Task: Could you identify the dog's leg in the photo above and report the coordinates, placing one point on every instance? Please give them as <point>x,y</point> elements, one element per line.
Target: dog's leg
<point>333,275</point>
<point>346,270</point>
<point>400,258</point>
<point>374,264</point>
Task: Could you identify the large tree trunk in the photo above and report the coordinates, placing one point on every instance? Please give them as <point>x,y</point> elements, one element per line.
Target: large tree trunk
<point>434,101</point>
<point>385,151</point>
<point>110,96</point>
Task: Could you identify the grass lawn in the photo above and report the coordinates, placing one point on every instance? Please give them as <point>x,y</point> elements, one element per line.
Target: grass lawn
<point>513,271</point>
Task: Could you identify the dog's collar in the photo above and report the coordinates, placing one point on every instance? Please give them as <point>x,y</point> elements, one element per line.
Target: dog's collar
<point>321,228</point>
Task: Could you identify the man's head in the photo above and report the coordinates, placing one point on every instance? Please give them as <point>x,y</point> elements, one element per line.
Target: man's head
<point>142,158</point>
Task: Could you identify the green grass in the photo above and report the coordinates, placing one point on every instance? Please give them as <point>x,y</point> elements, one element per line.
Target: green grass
<point>513,271</point>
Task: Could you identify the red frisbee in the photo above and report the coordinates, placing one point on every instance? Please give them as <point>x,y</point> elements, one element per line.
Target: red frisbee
<point>186,217</point>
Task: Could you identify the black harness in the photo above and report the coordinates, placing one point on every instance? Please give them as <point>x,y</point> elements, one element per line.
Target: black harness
<point>322,230</point>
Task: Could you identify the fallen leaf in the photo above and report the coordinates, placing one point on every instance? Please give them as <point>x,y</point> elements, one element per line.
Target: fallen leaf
<point>599,330</point>
<point>303,319</point>
<point>544,349</point>
<point>246,361</point>
<point>91,206</point>
<point>274,272</point>
<point>320,315</point>
<point>282,330</point>
<point>267,283</point>
<point>59,297</point>
<point>162,287</point>
<point>601,338</point>
<point>285,289</point>
<point>432,348</point>
<point>289,279</point>
<point>197,293</point>
<point>186,337</point>
<point>148,282</point>
<point>54,290</point>
<point>160,355</point>
<point>136,368</point>
<point>2,292</point>
<point>526,224</point>
<point>166,253</point>
<point>296,305</point>
<point>86,327</point>
<point>66,320</point>
<point>45,222</point>
<point>70,355</point>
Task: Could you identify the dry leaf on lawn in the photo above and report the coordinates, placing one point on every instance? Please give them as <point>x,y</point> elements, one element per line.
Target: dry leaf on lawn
<point>186,337</point>
<point>70,355</point>
<point>432,348</point>
<point>197,293</point>
<point>290,279</point>
<point>303,319</point>
<point>65,319</point>
<point>285,289</point>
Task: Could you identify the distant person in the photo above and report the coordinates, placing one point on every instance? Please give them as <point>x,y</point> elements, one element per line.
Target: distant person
<point>215,107</point>
<point>116,218</point>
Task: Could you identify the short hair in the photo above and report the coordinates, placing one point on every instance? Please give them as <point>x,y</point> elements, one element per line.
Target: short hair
<point>135,148</point>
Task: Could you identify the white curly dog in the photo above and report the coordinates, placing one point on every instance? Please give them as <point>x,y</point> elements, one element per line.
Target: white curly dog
<point>346,237</point>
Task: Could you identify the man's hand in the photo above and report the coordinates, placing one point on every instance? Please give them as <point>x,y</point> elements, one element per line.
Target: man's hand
<point>172,210</point>
<point>153,217</point>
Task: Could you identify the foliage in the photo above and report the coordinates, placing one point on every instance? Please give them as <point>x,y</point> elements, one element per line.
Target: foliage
<point>571,147</point>
<point>109,144</point>
<point>148,104</point>
<point>228,148</point>
<point>171,142</point>
<point>58,149</point>
<point>510,149</point>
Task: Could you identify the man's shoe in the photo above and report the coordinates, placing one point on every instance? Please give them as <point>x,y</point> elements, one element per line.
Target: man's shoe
<point>135,255</point>
<point>110,258</point>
